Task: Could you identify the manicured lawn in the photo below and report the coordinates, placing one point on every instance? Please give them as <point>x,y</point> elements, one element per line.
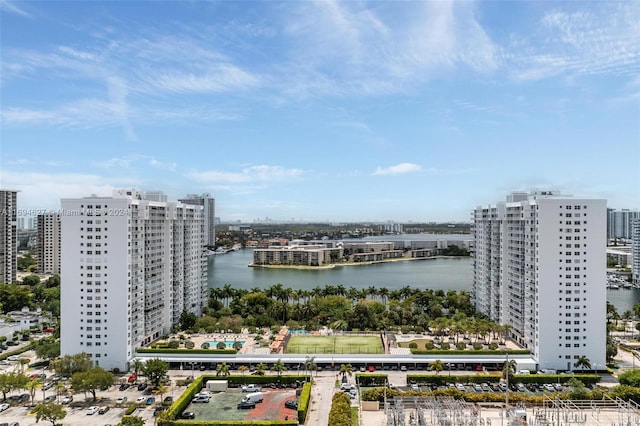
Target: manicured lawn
<point>334,345</point>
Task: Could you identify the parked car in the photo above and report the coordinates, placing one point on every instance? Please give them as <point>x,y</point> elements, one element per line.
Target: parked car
<point>158,410</point>
<point>103,409</point>
<point>150,400</point>
<point>415,387</point>
<point>121,400</point>
<point>250,388</point>
<point>291,403</point>
<point>92,410</point>
<point>246,405</point>
<point>200,398</point>
<point>142,386</point>
<point>168,400</point>
<point>67,399</point>
<point>124,387</point>
<point>140,399</point>
<point>188,415</point>
<point>3,407</point>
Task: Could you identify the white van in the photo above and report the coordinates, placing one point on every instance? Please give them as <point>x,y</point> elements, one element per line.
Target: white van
<point>253,397</point>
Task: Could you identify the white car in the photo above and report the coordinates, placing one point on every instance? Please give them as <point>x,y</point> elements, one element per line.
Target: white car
<point>92,410</point>
<point>66,400</point>
<point>250,388</point>
<point>121,400</point>
<point>141,399</point>
<point>3,407</point>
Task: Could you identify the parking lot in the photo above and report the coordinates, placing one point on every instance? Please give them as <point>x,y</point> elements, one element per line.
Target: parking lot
<point>223,406</point>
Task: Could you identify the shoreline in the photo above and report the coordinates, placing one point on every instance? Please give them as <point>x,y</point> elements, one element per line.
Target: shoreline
<point>334,265</point>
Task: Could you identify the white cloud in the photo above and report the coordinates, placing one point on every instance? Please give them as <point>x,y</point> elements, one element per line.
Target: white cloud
<point>9,6</point>
<point>251,174</point>
<point>225,78</point>
<point>398,169</point>
<point>44,190</point>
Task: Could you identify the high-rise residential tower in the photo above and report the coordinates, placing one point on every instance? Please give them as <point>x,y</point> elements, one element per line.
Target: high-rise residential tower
<point>540,267</point>
<point>131,264</point>
<point>48,243</point>
<point>635,250</point>
<point>619,223</point>
<point>8,236</point>
<point>209,205</point>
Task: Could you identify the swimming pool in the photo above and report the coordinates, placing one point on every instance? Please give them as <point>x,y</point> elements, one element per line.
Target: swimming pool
<point>298,331</point>
<point>228,343</point>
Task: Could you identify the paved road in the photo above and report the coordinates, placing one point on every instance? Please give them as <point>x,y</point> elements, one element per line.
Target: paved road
<point>321,394</point>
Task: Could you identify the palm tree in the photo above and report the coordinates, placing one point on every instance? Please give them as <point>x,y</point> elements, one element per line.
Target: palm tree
<point>261,368</point>
<point>222,369</point>
<point>310,364</point>
<point>583,363</point>
<point>437,366</point>
<point>137,365</point>
<point>160,390</point>
<point>243,369</point>
<point>32,386</point>
<point>346,369</point>
<point>278,367</point>
<point>339,324</point>
<point>509,368</point>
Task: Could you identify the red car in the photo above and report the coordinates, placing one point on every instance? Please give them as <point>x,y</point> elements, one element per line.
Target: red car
<point>371,369</point>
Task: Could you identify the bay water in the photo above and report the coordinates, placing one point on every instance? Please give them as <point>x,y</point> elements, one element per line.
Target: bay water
<point>441,273</point>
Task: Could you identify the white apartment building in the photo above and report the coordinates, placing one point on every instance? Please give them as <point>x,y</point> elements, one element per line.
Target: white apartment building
<point>48,243</point>
<point>8,236</point>
<point>540,267</point>
<point>635,249</point>
<point>130,265</point>
<point>209,205</point>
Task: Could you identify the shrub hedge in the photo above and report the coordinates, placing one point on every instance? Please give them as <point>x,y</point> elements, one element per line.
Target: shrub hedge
<point>439,380</point>
<point>340,413</point>
<point>364,379</point>
<point>470,352</point>
<point>185,351</point>
<point>303,402</point>
<point>16,352</point>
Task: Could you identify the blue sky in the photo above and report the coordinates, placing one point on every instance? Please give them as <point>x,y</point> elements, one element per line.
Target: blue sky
<point>341,111</point>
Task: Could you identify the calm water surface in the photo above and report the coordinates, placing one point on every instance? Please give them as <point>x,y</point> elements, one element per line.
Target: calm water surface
<point>446,274</point>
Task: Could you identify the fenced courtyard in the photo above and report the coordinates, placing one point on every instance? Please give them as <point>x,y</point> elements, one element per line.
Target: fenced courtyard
<point>335,344</point>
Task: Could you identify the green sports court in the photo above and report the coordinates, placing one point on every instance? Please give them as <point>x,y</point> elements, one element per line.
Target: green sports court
<point>350,344</point>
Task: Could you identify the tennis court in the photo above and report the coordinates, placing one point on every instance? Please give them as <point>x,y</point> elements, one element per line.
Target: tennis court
<point>301,344</point>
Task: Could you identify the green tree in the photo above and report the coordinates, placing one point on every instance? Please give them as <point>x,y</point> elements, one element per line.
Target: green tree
<point>243,369</point>
<point>160,390</point>
<point>47,348</point>
<point>278,367</point>
<point>155,369</point>
<point>310,365</point>
<point>346,369</point>
<point>509,369</point>
<point>11,381</point>
<point>131,421</point>
<point>32,386</point>
<point>92,380</point>
<point>437,366</point>
<point>187,320</point>
<point>31,280</point>
<point>68,365</point>
<point>582,363</point>
<point>49,412</point>
<point>222,369</point>
<point>137,365</point>
<point>261,368</point>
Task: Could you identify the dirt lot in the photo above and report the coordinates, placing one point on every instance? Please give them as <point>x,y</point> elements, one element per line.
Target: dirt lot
<point>222,406</point>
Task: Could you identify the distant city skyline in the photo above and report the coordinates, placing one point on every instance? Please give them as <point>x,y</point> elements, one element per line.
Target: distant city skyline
<point>321,110</point>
